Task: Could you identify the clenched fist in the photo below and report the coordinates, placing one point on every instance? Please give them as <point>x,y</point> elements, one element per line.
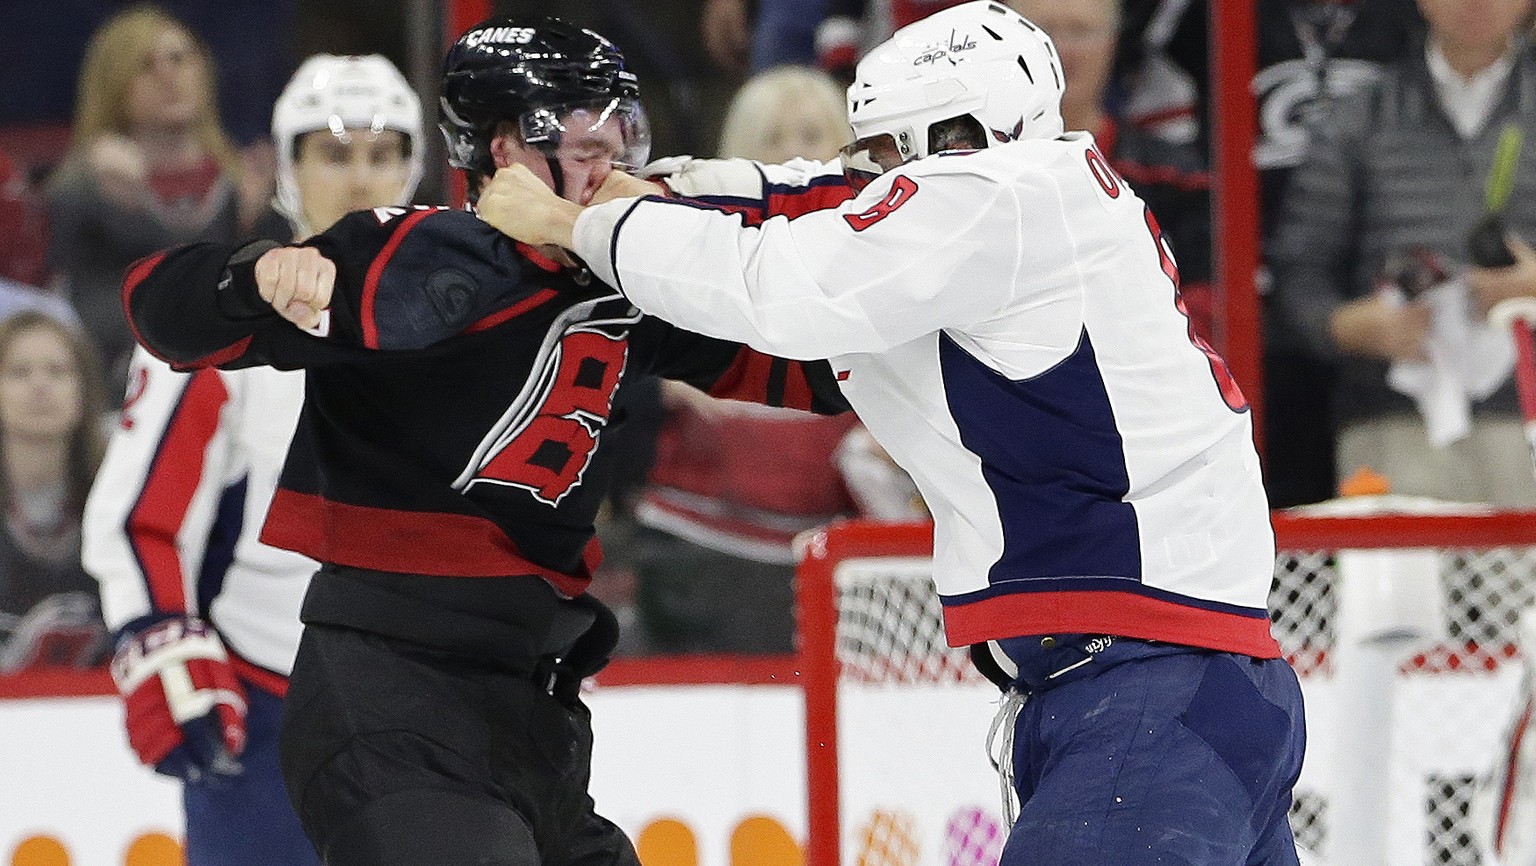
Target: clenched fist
<point>518,204</point>
<point>297,282</point>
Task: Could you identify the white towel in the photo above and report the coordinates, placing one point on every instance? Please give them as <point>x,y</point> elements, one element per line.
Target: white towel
<point>1468,360</point>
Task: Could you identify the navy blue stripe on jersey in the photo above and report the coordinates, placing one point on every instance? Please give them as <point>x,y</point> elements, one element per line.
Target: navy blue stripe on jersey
<point>223,535</point>
<point>1060,499</point>
<point>1075,583</point>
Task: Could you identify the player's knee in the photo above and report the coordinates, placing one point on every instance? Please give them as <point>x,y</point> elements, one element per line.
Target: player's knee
<point>415,828</point>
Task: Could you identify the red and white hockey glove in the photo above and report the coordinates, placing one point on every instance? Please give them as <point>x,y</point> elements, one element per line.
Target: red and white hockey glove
<point>186,709</point>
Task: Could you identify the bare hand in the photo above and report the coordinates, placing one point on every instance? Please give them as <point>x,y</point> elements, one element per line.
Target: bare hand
<point>121,171</point>
<point>520,205</point>
<point>1492,285</point>
<point>727,37</point>
<point>620,185</point>
<point>1382,329</point>
<point>297,282</point>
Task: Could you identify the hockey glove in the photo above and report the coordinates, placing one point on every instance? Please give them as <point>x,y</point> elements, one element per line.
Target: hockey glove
<point>186,710</point>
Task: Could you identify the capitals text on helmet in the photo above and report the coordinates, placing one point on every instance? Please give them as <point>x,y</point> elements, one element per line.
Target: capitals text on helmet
<point>955,45</point>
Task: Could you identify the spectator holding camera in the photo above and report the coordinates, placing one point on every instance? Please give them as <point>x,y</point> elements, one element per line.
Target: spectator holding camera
<point>1378,213</point>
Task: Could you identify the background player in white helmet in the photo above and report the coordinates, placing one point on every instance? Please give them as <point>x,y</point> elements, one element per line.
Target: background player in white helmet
<point>1002,311</point>
<point>208,615</point>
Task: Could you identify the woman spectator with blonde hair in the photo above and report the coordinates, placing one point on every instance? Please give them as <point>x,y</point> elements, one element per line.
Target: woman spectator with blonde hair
<point>51,442</point>
<point>788,112</point>
<point>149,168</point>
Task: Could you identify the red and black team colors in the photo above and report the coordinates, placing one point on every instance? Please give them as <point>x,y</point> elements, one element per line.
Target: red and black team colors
<point>446,471</point>
<point>445,468</point>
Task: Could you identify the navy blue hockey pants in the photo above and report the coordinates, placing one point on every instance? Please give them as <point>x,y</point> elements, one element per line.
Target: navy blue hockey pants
<point>247,820</point>
<point>1152,754</point>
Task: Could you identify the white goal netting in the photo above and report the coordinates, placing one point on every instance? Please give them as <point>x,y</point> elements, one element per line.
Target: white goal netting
<point>913,785</point>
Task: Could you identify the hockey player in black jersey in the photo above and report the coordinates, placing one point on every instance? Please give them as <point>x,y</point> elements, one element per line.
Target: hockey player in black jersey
<point>446,469</point>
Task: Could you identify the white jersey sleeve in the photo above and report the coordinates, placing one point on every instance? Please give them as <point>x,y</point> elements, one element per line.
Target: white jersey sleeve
<point>866,276</point>
<point>172,520</point>
<point>147,519</point>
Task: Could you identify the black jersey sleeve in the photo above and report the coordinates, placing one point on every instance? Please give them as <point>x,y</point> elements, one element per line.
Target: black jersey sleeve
<point>173,303</point>
<point>405,279</point>
<point>732,371</point>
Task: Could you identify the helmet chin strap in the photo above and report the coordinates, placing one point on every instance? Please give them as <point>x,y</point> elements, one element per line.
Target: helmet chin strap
<point>556,175</point>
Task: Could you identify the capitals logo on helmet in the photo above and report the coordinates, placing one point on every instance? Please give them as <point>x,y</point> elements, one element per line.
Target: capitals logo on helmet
<point>978,59</point>
<point>535,72</point>
<point>338,94</point>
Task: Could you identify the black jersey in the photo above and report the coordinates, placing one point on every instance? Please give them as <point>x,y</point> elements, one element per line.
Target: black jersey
<point>455,396</point>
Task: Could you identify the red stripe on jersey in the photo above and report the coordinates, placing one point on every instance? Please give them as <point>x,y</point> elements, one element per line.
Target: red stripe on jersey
<point>808,199</point>
<point>269,681</point>
<point>747,378</point>
<point>376,272</point>
<point>512,312</point>
<point>228,353</point>
<point>1106,612</point>
<point>410,542</point>
<point>174,474</point>
<point>797,389</point>
<point>542,261</point>
<point>132,279</point>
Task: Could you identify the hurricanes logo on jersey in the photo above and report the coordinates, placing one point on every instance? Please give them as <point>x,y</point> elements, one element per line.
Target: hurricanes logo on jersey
<point>544,442</point>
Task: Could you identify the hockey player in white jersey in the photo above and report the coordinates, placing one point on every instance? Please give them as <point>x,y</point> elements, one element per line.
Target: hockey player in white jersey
<point>1003,314</point>
<point>208,616</point>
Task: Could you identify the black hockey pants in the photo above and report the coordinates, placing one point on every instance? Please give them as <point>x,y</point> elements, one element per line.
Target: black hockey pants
<point>398,755</point>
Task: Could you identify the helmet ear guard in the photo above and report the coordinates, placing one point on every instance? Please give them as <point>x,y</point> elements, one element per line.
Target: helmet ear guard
<point>979,60</point>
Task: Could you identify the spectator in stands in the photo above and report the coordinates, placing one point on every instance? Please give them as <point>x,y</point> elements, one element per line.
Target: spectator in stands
<point>781,32</point>
<point>149,168</point>
<point>1170,176</point>
<point>1310,52</point>
<point>734,483</point>
<point>790,112</point>
<point>1392,184</point>
<point>51,441</point>
<point>851,27</point>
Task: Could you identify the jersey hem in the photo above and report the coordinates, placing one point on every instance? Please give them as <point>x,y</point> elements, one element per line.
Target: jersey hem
<point>1107,612</point>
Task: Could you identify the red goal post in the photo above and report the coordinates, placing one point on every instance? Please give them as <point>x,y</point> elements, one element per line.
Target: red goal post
<point>868,636</point>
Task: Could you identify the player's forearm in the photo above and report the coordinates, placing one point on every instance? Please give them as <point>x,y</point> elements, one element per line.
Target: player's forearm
<point>697,269</point>
<point>184,311</point>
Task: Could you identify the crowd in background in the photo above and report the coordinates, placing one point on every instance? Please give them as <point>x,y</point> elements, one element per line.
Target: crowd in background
<point>1380,122</point>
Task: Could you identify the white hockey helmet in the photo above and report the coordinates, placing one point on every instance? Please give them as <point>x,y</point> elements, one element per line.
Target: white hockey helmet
<point>980,59</point>
<point>340,93</point>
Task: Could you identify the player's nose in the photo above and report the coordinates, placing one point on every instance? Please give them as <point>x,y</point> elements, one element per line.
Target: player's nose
<point>595,178</point>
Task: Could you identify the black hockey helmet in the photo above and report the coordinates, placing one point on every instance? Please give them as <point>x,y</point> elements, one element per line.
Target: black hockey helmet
<point>535,71</point>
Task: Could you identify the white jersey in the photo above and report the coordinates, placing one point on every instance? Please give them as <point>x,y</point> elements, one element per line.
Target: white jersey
<point>171,524</point>
<point>1006,324</point>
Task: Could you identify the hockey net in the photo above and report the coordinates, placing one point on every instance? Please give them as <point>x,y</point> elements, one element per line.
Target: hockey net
<point>896,720</point>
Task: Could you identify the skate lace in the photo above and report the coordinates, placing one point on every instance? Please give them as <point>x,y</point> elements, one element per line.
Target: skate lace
<point>1000,749</point>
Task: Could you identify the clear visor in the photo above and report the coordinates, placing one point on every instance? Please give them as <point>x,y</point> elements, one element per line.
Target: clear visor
<point>868,158</point>
<point>348,130</point>
<point>616,131</point>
